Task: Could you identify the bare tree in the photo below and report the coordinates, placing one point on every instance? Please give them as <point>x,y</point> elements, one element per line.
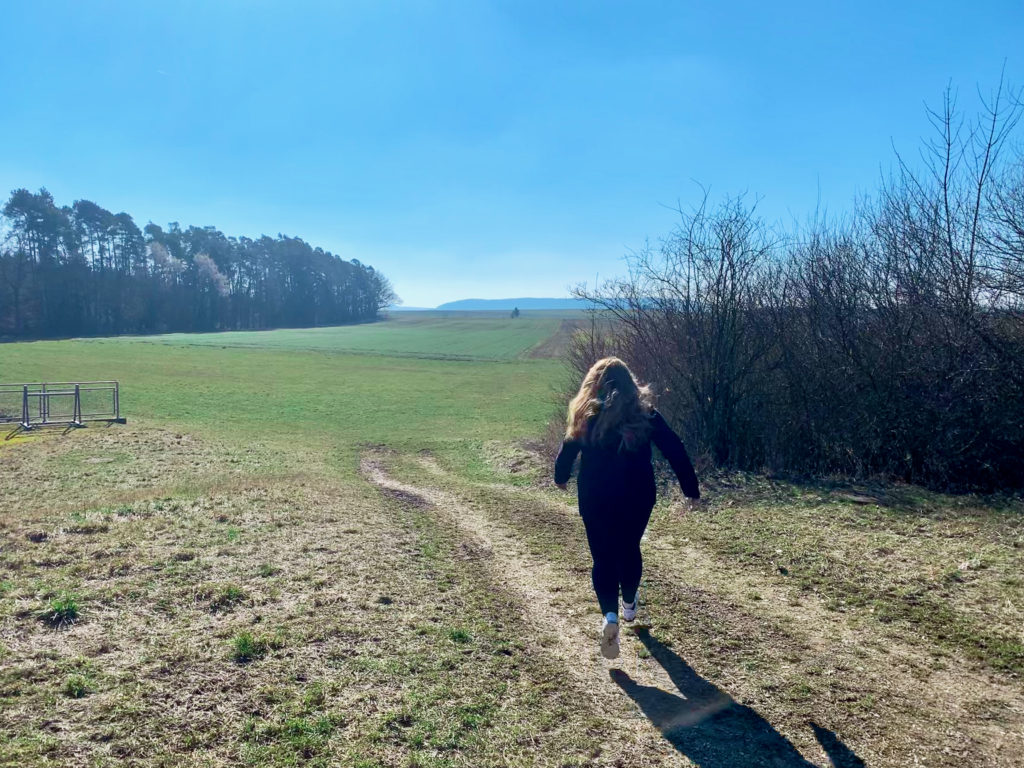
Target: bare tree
<point>693,312</point>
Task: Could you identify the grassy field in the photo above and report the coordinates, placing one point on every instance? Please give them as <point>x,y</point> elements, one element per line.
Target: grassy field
<point>324,401</point>
<point>337,547</point>
<point>437,335</point>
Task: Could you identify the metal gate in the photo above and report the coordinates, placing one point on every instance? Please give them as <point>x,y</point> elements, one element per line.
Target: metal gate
<point>59,404</point>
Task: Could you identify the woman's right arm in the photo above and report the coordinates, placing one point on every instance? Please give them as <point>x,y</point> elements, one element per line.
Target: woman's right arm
<point>563,463</point>
<point>671,448</point>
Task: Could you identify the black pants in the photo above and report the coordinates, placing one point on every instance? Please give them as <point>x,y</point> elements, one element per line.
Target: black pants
<point>613,533</point>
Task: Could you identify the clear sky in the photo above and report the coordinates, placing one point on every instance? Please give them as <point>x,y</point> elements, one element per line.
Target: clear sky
<point>477,149</point>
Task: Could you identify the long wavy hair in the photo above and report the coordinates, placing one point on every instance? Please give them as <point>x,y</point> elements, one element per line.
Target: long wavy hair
<point>611,407</point>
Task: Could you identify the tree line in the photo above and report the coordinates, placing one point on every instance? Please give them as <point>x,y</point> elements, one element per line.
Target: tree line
<point>81,270</point>
<point>887,343</point>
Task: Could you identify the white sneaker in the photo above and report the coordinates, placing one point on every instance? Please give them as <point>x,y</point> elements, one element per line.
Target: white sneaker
<point>610,637</point>
<point>629,609</point>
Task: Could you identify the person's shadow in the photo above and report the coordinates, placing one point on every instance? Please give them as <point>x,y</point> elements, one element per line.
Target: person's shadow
<point>710,728</point>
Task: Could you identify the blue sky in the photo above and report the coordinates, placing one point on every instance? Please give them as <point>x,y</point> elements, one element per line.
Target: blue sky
<point>477,149</point>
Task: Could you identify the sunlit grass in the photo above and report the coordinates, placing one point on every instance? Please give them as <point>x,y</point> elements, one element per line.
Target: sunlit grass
<point>328,403</point>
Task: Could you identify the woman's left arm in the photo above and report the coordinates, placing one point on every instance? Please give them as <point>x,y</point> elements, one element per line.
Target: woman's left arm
<point>671,448</point>
<point>563,462</point>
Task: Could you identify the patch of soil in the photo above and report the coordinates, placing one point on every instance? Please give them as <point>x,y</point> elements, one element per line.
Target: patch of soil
<point>407,498</point>
<point>474,549</point>
<point>556,345</point>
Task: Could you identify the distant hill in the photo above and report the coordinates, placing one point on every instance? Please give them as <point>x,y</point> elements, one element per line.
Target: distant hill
<point>510,304</point>
<point>400,308</point>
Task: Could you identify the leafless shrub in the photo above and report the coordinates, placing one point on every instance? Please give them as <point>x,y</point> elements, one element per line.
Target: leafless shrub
<point>692,314</point>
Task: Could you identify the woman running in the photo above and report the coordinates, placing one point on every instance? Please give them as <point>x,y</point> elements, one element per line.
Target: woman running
<point>611,421</point>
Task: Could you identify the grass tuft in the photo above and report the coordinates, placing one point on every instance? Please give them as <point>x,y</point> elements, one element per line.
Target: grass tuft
<point>459,636</point>
<point>245,647</point>
<point>315,697</point>
<point>62,611</point>
<point>76,687</point>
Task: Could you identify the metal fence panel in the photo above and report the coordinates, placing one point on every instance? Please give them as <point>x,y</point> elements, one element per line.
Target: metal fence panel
<point>11,402</point>
<point>52,407</point>
<point>98,402</point>
<point>60,403</point>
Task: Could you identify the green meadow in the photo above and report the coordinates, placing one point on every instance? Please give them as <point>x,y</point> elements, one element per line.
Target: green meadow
<point>426,381</point>
<point>340,546</point>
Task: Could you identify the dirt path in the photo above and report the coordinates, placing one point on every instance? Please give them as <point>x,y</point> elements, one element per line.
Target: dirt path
<point>901,708</point>
<point>547,603</point>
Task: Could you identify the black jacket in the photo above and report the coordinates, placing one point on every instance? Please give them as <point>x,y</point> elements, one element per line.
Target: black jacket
<point>613,474</point>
